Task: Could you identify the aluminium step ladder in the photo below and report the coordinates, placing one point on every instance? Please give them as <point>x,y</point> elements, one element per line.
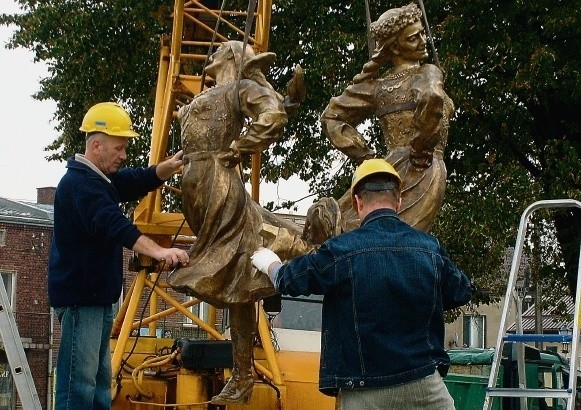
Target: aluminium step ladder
<point>568,393</point>
<point>16,356</point>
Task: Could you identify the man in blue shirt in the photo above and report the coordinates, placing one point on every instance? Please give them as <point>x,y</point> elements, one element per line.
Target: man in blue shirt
<point>85,270</point>
<point>386,286</point>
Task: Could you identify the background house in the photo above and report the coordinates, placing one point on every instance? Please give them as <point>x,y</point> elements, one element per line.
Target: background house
<point>475,327</point>
<point>25,238</point>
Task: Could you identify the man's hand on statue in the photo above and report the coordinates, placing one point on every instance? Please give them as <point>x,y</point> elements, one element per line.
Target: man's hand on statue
<point>168,167</point>
<point>173,257</point>
<point>263,258</point>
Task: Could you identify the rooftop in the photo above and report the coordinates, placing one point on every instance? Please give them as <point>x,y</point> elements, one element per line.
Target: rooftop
<point>551,319</point>
<point>26,212</point>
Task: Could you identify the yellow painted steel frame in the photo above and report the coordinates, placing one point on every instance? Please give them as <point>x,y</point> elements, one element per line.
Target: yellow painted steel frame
<point>125,323</point>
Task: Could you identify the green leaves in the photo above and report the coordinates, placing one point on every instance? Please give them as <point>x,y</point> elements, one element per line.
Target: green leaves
<point>95,51</point>
<point>512,69</point>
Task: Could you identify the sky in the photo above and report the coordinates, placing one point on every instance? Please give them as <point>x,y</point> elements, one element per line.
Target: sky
<point>26,123</point>
<point>27,128</point>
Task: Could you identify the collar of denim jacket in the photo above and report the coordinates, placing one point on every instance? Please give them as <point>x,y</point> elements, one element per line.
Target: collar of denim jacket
<point>379,213</point>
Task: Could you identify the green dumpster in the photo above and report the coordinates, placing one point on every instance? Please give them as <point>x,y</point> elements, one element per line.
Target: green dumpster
<point>469,371</point>
<point>468,391</point>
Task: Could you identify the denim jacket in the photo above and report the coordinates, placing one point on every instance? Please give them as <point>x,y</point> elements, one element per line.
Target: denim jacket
<point>385,286</point>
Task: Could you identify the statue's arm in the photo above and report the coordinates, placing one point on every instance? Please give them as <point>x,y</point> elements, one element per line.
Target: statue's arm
<point>268,117</point>
<point>341,117</point>
<point>428,92</point>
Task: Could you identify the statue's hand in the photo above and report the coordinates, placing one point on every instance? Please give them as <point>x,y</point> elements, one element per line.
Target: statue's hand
<point>229,158</point>
<point>422,149</point>
<point>295,91</point>
<point>421,159</point>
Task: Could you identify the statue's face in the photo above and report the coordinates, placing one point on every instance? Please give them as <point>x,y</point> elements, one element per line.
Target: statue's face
<point>217,60</point>
<point>411,43</point>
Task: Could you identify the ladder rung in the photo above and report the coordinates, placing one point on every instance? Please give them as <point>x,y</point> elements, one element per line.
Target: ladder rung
<point>537,338</point>
<point>538,393</point>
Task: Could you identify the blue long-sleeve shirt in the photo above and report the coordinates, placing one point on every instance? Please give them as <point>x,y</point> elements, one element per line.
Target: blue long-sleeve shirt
<point>90,231</point>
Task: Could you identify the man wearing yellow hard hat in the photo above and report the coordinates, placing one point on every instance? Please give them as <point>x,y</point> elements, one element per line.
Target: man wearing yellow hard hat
<point>85,270</point>
<point>386,286</point>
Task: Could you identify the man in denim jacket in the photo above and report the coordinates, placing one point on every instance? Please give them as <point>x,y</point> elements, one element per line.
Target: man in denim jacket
<point>386,286</point>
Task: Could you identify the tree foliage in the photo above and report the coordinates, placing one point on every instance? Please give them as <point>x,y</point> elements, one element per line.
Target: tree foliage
<point>512,69</point>
<point>513,72</point>
<point>95,51</point>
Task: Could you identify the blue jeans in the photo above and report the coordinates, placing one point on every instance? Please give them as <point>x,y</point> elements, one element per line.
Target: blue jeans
<point>83,379</point>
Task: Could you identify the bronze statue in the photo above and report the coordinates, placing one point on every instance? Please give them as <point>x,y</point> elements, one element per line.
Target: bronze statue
<point>226,221</point>
<point>413,112</point>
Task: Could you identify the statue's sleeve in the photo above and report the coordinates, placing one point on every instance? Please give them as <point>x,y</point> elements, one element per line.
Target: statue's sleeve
<point>343,114</point>
<point>428,91</point>
<point>268,117</point>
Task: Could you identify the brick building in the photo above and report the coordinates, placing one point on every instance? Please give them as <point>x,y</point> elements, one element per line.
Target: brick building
<point>25,238</point>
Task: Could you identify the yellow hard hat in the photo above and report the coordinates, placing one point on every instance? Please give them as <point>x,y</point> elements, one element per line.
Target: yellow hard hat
<point>370,167</point>
<point>109,118</point>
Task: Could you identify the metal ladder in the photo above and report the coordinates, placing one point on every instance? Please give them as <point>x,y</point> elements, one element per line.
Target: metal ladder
<point>519,338</point>
<point>15,354</point>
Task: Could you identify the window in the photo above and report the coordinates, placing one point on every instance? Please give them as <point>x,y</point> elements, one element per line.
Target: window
<point>474,331</point>
<point>7,391</point>
<point>2,237</point>
<point>201,310</point>
<point>8,277</point>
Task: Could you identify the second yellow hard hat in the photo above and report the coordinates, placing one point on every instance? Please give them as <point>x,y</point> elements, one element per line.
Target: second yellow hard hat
<point>370,167</point>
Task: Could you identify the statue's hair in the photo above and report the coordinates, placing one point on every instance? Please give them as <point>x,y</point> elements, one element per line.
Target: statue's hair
<point>393,21</point>
<point>385,31</point>
<point>236,47</point>
<point>253,65</point>
<point>371,68</point>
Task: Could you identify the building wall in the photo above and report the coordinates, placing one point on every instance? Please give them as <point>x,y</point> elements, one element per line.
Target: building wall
<point>25,255</point>
<point>454,331</point>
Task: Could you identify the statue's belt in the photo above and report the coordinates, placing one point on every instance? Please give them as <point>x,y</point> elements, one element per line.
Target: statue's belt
<point>395,152</point>
<point>228,158</point>
<point>389,109</point>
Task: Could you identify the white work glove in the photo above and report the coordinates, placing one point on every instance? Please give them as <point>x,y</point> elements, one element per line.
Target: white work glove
<point>263,258</point>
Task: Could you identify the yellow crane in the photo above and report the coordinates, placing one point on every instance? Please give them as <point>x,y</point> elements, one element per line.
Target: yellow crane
<point>147,372</point>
